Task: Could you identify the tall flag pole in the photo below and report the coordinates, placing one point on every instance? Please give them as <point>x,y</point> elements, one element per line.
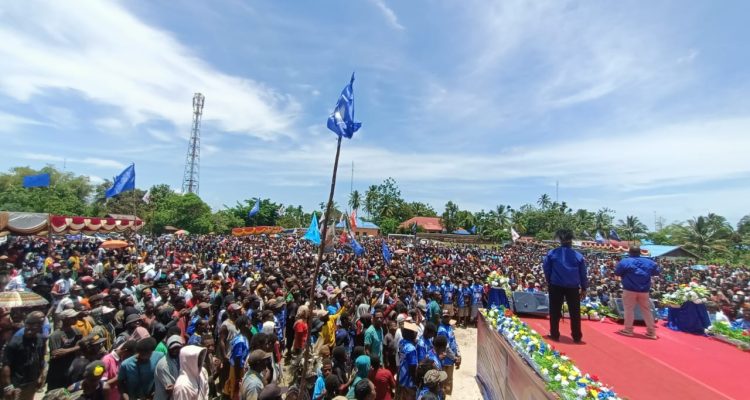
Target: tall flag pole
<point>342,123</point>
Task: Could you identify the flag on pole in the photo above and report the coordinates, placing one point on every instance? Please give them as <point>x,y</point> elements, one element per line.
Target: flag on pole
<point>147,197</point>
<point>353,220</point>
<point>255,209</point>
<point>599,238</point>
<point>473,230</point>
<point>613,235</point>
<point>41,180</point>
<point>414,228</point>
<point>330,237</point>
<point>123,182</point>
<point>514,235</point>
<point>358,249</point>
<point>313,234</point>
<point>341,120</point>
<point>386,254</point>
<point>344,237</point>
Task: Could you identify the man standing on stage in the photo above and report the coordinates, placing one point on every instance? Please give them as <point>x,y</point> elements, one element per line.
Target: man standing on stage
<point>636,273</point>
<point>565,270</point>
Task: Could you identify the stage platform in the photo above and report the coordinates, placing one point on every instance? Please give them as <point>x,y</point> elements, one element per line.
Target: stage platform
<point>677,366</point>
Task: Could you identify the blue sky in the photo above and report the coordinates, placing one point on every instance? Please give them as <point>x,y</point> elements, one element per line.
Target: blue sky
<point>639,106</point>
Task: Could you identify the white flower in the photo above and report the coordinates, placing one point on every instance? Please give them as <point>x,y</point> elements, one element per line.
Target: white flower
<point>555,366</point>
<point>564,358</point>
<point>564,382</point>
<point>581,392</point>
<point>558,377</point>
<point>545,371</point>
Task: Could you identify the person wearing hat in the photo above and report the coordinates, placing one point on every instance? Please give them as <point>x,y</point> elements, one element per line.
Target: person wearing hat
<point>168,368</point>
<point>91,385</point>
<point>254,381</point>
<point>23,360</point>
<point>91,349</point>
<point>453,357</point>
<point>63,345</point>
<point>433,383</point>
<point>407,370</point>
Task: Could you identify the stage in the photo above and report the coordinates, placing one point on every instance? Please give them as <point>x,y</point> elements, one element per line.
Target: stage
<point>677,366</point>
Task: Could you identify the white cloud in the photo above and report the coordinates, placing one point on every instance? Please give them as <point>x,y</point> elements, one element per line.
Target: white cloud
<point>11,122</point>
<point>160,135</point>
<point>388,13</point>
<point>97,162</point>
<point>101,51</point>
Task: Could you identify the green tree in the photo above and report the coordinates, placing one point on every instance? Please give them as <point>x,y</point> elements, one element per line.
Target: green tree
<point>354,200</point>
<point>419,209</point>
<point>544,201</point>
<point>186,211</point>
<point>388,226</point>
<point>371,200</point>
<point>450,217</point>
<point>631,226</point>
<point>707,236</point>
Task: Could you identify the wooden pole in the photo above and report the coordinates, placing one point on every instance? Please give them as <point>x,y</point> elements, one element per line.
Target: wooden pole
<point>318,262</point>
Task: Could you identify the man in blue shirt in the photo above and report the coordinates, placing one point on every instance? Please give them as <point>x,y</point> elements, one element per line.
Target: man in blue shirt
<point>477,294</point>
<point>448,292</point>
<point>453,357</point>
<point>565,271</point>
<point>636,272</point>
<point>407,369</point>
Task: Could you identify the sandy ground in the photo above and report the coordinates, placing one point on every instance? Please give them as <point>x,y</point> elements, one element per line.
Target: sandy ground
<point>465,386</point>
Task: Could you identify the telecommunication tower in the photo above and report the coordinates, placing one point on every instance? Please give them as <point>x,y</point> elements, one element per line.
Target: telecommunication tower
<point>193,158</point>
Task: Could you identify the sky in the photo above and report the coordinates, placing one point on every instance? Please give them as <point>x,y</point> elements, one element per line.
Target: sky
<point>639,106</point>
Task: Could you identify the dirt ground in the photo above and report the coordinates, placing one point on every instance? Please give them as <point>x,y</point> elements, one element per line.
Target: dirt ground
<point>465,386</point>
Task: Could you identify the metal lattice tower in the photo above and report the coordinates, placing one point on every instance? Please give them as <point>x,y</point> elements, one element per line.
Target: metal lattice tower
<point>193,158</point>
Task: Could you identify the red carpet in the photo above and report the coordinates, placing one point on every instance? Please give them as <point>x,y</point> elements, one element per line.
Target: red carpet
<point>677,366</point>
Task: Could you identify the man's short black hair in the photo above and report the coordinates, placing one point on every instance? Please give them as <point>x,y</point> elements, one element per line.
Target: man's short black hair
<point>565,236</point>
<point>440,341</point>
<point>145,345</point>
<point>362,389</point>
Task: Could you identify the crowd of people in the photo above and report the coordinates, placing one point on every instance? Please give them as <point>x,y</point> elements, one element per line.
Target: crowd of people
<point>204,317</point>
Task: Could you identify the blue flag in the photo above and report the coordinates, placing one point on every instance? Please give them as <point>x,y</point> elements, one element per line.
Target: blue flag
<point>358,249</point>
<point>41,180</point>
<point>313,234</point>
<point>341,120</point>
<point>613,235</point>
<point>599,237</point>
<point>647,242</point>
<point>255,209</point>
<point>473,230</point>
<point>386,254</point>
<point>123,182</point>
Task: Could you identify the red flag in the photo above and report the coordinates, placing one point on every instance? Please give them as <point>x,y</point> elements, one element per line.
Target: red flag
<point>343,238</point>
<point>353,220</point>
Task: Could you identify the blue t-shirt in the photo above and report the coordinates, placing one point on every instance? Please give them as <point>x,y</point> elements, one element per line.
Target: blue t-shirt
<point>463,293</point>
<point>477,293</point>
<point>374,341</point>
<point>423,347</point>
<point>448,291</point>
<point>636,273</point>
<point>408,355</point>
<point>447,331</point>
<point>239,348</point>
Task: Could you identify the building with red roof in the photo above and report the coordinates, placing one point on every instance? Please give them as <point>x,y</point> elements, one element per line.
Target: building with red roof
<point>427,224</point>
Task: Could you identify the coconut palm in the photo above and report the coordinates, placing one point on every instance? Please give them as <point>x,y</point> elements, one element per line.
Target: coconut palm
<point>705,235</point>
<point>354,200</point>
<point>371,200</point>
<point>632,227</point>
<point>544,201</point>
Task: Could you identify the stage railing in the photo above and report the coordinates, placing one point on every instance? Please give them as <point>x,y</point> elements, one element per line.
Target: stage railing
<point>501,372</point>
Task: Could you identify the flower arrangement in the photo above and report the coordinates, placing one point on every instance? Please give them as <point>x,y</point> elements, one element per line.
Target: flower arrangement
<point>560,373</point>
<point>729,334</point>
<point>693,292</point>
<point>496,279</point>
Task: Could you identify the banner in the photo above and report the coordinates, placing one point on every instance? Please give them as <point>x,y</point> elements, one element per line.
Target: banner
<point>256,230</point>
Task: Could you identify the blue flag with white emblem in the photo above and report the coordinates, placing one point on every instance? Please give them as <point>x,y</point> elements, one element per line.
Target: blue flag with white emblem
<point>358,249</point>
<point>313,233</point>
<point>387,254</point>
<point>341,120</point>
<point>254,210</point>
<point>613,235</point>
<point>123,182</point>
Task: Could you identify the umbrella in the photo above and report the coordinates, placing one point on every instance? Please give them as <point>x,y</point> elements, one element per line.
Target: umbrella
<point>114,244</point>
<point>400,251</point>
<point>21,299</point>
<point>181,232</point>
<point>699,267</point>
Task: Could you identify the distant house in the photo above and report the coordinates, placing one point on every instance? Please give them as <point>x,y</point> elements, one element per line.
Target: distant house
<point>426,224</point>
<point>123,216</point>
<point>664,251</point>
<point>364,228</point>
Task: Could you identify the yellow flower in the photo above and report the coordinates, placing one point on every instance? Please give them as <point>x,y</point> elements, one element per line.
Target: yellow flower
<point>583,380</point>
<point>594,393</point>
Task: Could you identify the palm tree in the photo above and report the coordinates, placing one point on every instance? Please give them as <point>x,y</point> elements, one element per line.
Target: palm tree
<point>603,220</point>
<point>704,236</point>
<point>501,215</point>
<point>632,227</point>
<point>544,201</point>
<point>371,200</point>
<point>354,200</point>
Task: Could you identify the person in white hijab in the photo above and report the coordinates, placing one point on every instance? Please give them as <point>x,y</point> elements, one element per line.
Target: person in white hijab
<point>192,383</point>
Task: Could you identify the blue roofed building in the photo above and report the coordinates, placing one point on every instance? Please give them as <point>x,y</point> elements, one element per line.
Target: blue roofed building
<point>364,228</point>
<point>667,251</point>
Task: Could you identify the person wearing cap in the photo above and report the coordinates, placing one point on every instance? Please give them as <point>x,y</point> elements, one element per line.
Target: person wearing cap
<point>453,357</point>
<point>254,380</point>
<point>92,385</point>
<point>565,271</point>
<point>168,368</point>
<point>23,360</point>
<point>433,383</point>
<point>636,272</point>
<point>407,370</point>
<point>63,346</point>
<point>91,349</point>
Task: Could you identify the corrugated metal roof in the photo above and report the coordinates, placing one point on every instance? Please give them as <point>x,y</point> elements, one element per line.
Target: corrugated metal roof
<point>360,225</point>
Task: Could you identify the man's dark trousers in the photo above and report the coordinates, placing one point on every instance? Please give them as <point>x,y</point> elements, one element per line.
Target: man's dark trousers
<point>571,296</point>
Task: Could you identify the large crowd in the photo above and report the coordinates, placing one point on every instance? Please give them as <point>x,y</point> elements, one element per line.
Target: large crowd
<point>204,317</point>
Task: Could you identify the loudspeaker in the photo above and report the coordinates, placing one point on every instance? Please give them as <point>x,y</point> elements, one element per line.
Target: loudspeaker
<point>531,303</point>
<point>618,307</point>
